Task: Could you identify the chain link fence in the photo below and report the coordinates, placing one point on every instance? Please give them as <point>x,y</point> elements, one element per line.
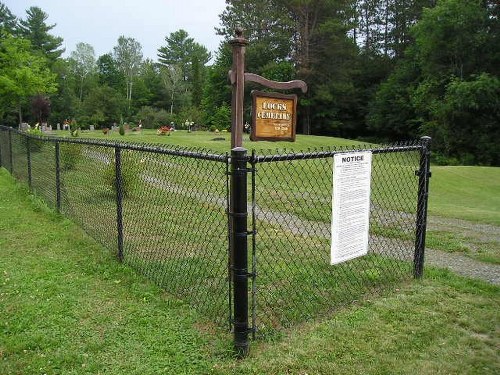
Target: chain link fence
<point>162,211</point>
<point>168,214</point>
<point>291,215</point>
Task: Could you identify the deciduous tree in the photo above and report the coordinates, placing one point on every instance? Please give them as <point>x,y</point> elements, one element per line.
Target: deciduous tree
<point>83,63</point>
<point>22,74</point>
<point>128,56</point>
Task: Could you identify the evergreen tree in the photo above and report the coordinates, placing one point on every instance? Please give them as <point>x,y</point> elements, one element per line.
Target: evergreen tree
<point>8,22</point>
<point>447,84</point>
<point>35,29</point>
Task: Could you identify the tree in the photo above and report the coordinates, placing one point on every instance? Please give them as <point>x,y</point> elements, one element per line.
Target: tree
<point>109,73</point>
<point>181,50</point>
<point>172,79</point>
<point>216,89</point>
<point>446,84</point>
<point>63,102</point>
<point>40,107</point>
<point>128,56</point>
<point>267,26</point>
<point>83,63</point>
<point>8,22</point>
<point>35,29</point>
<point>183,63</point>
<point>148,86</point>
<point>22,74</point>
<point>103,106</point>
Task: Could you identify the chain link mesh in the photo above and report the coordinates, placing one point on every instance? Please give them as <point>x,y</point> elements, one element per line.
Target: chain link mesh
<point>172,205</point>
<point>165,213</point>
<point>292,211</point>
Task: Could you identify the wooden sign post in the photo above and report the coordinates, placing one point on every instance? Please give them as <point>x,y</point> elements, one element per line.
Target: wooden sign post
<point>283,130</point>
<point>277,116</point>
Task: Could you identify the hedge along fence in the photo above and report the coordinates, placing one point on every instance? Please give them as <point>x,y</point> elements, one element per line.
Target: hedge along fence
<point>245,239</point>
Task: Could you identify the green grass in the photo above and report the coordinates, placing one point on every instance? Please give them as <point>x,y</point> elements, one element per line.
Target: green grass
<point>469,193</point>
<point>218,142</point>
<point>68,307</point>
<point>466,193</point>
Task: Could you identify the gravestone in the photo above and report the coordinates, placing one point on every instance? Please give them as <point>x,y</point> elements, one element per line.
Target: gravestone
<point>92,128</point>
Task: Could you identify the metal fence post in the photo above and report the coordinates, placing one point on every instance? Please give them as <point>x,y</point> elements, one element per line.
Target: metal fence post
<point>239,248</point>
<point>1,148</point>
<point>423,193</point>
<point>28,154</point>
<point>58,177</point>
<point>119,199</point>
<point>10,152</point>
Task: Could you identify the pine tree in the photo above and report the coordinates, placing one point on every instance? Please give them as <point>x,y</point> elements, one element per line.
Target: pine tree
<point>35,29</point>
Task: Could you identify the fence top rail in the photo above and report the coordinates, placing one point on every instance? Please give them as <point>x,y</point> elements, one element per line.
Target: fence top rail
<point>318,154</point>
<point>194,153</point>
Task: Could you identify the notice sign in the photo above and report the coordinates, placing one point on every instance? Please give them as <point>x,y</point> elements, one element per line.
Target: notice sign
<point>350,205</point>
<point>273,116</point>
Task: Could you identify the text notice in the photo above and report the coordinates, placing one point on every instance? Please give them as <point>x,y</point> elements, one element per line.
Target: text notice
<point>350,205</point>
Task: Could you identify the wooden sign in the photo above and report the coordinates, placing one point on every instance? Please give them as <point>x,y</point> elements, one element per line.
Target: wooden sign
<point>273,116</point>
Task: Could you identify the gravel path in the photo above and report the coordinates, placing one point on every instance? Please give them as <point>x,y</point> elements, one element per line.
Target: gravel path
<point>475,234</point>
<point>463,265</point>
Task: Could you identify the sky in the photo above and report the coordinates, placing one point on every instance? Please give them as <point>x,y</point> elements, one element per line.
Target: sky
<point>100,22</point>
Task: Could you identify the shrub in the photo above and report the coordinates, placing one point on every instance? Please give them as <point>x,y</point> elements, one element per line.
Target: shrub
<point>74,129</point>
<point>70,154</point>
<point>121,129</point>
<point>130,171</point>
<point>36,145</point>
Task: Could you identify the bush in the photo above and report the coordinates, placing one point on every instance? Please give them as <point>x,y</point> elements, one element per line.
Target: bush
<point>74,129</point>
<point>70,154</point>
<point>36,145</point>
<point>121,130</point>
<point>130,171</point>
<point>152,118</point>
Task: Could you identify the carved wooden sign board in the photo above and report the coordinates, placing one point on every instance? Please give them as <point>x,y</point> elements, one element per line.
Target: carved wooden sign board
<point>273,116</point>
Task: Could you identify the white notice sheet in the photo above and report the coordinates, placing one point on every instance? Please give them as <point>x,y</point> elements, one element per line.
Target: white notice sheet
<point>350,205</point>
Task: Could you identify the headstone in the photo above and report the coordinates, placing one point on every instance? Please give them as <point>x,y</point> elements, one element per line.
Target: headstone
<point>58,126</point>
<point>92,128</point>
<point>24,126</point>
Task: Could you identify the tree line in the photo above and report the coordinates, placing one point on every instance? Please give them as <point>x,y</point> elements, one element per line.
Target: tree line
<point>380,70</point>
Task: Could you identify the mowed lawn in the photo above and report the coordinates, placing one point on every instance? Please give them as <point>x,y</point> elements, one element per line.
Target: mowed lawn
<point>68,307</point>
<point>463,192</point>
<point>468,193</point>
<point>218,142</point>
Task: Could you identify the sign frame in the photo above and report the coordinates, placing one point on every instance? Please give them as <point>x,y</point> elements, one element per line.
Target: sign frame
<point>273,95</point>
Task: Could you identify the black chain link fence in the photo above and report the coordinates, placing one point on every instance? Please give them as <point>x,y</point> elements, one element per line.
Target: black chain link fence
<point>162,211</point>
<point>165,212</point>
<point>292,215</point>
